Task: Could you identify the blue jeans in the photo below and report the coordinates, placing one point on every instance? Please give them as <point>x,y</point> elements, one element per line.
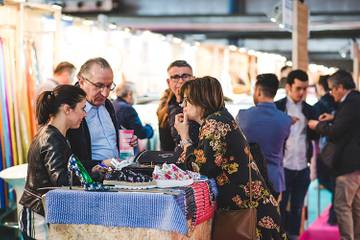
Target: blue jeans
<point>297,183</point>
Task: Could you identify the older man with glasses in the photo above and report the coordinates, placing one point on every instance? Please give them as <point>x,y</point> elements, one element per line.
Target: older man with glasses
<point>97,139</point>
<point>343,131</point>
<point>179,72</point>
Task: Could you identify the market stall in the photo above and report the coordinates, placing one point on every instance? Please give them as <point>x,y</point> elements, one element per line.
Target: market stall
<point>157,213</point>
<point>35,37</point>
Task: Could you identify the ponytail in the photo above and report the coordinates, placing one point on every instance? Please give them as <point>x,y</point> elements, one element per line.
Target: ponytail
<point>49,102</point>
<point>45,107</point>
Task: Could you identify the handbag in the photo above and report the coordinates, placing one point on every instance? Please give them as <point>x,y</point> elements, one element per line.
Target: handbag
<point>157,157</point>
<point>236,224</point>
<point>327,154</point>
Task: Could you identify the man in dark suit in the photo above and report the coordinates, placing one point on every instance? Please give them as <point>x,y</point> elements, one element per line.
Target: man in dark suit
<point>298,150</point>
<point>97,139</point>
<point>343,130</point>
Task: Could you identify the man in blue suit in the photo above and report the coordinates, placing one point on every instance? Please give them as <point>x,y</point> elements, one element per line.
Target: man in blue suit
<point>269,127</point>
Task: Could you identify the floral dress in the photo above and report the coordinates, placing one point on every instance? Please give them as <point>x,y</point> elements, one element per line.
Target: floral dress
<point>223,154</point>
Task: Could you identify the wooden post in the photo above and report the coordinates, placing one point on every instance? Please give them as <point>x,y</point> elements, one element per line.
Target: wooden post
<point>300,36</point>
<point>356,63</point>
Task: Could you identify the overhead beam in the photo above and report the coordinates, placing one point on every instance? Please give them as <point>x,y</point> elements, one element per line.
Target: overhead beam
<point>255,23</point>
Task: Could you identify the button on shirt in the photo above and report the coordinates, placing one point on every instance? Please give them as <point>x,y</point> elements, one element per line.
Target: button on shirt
<point>102,134</point>
<point>295,148</point>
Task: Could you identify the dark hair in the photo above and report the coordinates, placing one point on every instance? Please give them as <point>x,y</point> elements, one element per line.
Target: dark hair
<point>179,63</point>
<point>298,74</point>
<point>323,81</point>
<point>64,66</point>
<point>84,69</point>
<point>284,68</point>
<point>48,102</point>
<point>268,84</point>
<point>344,78</point>
<point>205,92</point>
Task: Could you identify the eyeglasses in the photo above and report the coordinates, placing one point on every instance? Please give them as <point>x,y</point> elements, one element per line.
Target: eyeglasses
<point>184,77</point>
<point>101,86</point>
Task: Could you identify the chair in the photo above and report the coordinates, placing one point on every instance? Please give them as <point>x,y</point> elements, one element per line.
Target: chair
<point>15,176</point>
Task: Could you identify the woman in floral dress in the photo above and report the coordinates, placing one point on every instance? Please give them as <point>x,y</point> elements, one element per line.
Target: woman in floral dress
<point>223,154</point>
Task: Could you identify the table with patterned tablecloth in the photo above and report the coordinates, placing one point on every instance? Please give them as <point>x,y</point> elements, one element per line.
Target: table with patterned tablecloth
<point>175,213</point>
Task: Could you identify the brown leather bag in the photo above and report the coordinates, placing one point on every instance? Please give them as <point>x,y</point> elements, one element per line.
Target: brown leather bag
<point>236,224</point>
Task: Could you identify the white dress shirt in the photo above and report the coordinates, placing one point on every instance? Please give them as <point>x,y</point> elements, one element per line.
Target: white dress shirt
<point>295,147</point>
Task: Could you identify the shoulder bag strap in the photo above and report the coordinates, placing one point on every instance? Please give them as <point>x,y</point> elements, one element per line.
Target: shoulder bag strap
<point>250,178</point>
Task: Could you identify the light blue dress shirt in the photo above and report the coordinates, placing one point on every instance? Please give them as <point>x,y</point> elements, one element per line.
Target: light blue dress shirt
<point>102,133</point>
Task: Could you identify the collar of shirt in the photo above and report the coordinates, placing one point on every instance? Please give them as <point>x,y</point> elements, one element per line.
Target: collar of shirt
<point>266,104</point>
<point>344,97</point>
<point>89,106</point>
<point>289,100</point>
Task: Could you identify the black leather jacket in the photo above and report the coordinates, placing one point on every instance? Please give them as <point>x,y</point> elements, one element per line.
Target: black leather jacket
<point>47,158</point>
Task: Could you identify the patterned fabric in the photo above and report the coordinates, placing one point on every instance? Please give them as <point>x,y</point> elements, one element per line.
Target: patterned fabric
<point>223,154</point>
<point>168,209</point>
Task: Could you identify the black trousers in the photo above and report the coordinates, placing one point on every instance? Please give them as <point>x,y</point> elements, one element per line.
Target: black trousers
<point>297,183</point>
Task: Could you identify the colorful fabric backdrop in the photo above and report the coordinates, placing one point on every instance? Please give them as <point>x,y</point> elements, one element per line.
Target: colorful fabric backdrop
<point>16,106</point>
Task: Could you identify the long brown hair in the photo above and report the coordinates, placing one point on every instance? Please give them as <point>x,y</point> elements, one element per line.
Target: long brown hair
<point>162,111</point>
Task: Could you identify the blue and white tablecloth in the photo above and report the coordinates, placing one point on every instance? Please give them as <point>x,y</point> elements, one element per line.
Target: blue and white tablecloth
<point>120,209</point>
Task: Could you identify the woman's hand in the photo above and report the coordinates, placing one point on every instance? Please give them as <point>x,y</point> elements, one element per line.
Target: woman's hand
<point>182,125</point>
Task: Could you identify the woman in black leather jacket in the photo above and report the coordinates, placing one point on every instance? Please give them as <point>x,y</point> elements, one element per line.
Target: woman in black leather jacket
<point>56,112</point>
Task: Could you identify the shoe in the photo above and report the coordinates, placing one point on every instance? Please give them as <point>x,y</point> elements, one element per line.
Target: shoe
<point>75,166</point>
<point>332,220</point>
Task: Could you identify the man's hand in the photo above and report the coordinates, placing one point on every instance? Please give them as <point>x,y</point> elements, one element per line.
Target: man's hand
<point>133,141</point>
<point>294,119</point>
<point>312,124</point>
<point>98,172</point>
<point>107,162</point>
<point>326,117</point>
